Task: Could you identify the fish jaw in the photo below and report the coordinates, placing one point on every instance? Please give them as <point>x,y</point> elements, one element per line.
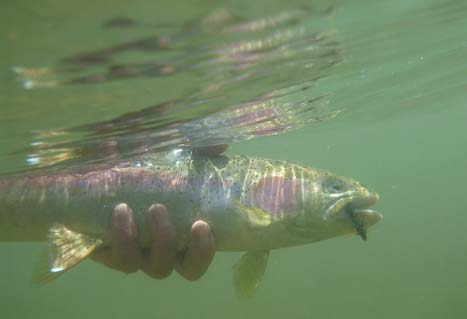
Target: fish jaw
<point>355,201</point>
<point>355,207</point>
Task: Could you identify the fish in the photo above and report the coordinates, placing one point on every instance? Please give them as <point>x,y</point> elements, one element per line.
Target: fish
<point>253,205</point>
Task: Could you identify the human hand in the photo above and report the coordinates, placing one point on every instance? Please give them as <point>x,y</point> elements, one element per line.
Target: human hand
<point>162,257</point>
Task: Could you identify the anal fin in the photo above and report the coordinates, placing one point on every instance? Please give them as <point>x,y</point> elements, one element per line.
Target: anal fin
<point>66,249</point>
<point>249,272</point>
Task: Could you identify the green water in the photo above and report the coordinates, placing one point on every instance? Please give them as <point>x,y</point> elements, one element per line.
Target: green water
<point>400,87</point>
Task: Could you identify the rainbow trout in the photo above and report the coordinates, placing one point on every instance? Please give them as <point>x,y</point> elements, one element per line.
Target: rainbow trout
<point>251,205</point>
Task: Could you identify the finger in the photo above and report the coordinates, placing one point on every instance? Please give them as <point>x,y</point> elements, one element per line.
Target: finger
<point>104,256</point>
<point>200,252</point>
<point>125,250</point>
<point>161,258</point>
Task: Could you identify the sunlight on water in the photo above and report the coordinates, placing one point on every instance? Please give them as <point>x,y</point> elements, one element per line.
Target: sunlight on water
<point>86,83</point>
<point>245,77</point>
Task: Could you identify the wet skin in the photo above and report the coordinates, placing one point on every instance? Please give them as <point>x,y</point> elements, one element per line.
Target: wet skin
<point>162,257</point>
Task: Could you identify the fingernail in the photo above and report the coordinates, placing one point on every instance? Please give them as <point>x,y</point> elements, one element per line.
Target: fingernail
<point>201,233</point>
<point>122,216</point>
<point>159,216</point>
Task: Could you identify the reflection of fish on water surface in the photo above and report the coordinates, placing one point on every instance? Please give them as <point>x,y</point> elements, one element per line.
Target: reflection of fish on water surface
<point>209,43</point>
<point>223,105</point>
<point>226,103</point>
<point>252,205</point>
<point>162,127</point>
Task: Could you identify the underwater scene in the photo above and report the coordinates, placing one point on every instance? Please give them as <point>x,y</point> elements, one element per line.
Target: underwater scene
<point>323,144</point>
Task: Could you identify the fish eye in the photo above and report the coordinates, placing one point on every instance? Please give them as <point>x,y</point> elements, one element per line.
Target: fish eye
<point>333,186</point>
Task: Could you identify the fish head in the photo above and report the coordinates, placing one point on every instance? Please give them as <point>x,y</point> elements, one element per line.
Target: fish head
<point>335,205</point>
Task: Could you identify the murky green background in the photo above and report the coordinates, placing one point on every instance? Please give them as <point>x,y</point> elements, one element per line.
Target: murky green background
<point>402,88</point>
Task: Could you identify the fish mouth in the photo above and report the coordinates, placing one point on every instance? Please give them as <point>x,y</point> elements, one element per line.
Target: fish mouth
<point>356,207</point>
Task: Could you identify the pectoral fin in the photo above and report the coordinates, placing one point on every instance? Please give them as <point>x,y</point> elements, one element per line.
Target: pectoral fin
<point>66,249</point>
<point>249,271</point>
<point>254,216</point>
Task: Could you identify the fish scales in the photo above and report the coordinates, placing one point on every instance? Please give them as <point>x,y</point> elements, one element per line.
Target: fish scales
<point>250,203</point>
<point>201,188</point>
